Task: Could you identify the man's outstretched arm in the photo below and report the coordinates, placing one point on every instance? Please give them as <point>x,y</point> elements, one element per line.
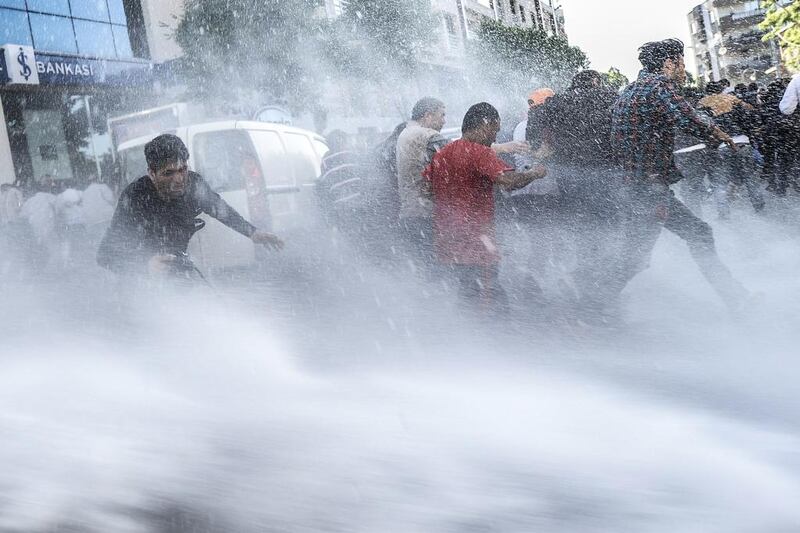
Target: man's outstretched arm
<point>214,205</point>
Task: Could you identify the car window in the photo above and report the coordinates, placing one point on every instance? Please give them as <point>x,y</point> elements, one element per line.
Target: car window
<point>134,165</point>
<point>222,158</point>
<point>305,161</point>
<point>277,169</point>
<point>274,160</point>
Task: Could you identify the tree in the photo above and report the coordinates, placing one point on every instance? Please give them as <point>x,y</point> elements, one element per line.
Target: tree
<point>385,38</point>
<point>515,60</point>
<point>616,79</point>
<point>782,22</point>
<point>244,53</point>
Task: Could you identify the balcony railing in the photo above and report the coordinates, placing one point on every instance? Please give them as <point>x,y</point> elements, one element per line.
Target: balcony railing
<point>743,15</point>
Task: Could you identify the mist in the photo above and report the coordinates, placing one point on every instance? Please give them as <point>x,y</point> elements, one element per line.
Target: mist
<point>335,387</point>
<point>325,394</point>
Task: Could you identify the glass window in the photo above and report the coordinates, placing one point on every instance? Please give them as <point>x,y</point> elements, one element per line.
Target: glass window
<point>14,27</point>
<point>123,41</point>
<point>277,171</point>
<point>53,33</point>
<point>304,160</point>
<point>19,4</point>
<point>117,11</point>
<point>222,158</point>
<point>94,38</point>
<point>90,9</point>
<point>56,7</point>
<point>134,164</point>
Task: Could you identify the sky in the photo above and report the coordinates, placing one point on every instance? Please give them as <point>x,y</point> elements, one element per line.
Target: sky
<point>611,31</point>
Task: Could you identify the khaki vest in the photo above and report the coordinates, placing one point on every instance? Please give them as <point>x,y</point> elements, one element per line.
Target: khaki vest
<point>414,189</point>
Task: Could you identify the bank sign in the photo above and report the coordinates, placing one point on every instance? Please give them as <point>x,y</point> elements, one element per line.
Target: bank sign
<point>20,65</point>
<point>17,65</point>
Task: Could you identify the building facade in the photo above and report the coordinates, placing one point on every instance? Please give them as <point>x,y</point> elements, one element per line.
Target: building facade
<point>728,42</point>
<point>66,67</point>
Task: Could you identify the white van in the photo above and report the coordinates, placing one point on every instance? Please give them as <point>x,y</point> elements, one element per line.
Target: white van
<point>265,171</point>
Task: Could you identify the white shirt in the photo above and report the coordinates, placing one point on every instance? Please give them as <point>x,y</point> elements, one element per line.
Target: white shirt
<point>520,131</point>
<point>98,204</point>
<point>68,207</point>
<point>791,97</point>
<point>545,186</point>
<point>40,212</point>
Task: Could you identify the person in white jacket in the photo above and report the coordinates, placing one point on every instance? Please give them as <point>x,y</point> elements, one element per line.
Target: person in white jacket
<point>98,207</point>
<point>40,214</point>
<point>791,97</point>
<point>69,213</point>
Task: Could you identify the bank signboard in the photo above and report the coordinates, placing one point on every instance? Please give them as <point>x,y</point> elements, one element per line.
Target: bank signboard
<point>20,65</point>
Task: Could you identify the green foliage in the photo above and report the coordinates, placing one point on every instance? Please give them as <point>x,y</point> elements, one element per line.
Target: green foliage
<point>379,38</point>
<point>616,79</point>
<point>241,51</point>
<point>519,59</point>
<point>782,22</point>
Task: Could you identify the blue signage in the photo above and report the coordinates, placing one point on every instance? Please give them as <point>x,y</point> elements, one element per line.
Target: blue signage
<point>54,69</point>
<point>68,70</point>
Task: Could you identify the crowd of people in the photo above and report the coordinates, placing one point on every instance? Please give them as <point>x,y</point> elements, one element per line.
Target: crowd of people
<point>586,179</point>
<point>52,224</point>
<point>590,170</point>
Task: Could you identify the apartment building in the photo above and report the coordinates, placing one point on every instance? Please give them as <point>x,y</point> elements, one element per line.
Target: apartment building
<point>727,42</point>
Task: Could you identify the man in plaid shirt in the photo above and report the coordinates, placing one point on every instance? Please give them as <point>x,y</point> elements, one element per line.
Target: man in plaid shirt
<point>643,139</point>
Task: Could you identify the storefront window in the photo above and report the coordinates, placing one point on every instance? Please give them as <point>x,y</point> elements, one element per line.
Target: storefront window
<point>61,135</point>
<point>56,7</point>
<point>90,9</point>
<point>117,10</point>
<point>94,38</point>
<point>19,4</point>
<point>14,27</point>
<point>53,33</point>
<point>122,41</point>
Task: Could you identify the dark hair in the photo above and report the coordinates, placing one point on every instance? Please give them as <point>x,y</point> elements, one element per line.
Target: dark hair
<point>424,106</point>
<point>478,115</point>
<point>586,79</point>
<point>165,149</point>
<point>337,140</point>
<point>653,55</point>
<point>713,87</point>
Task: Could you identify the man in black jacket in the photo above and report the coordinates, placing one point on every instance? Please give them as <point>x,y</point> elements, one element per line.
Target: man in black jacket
<point>575,130</point>
<point>156,214</point>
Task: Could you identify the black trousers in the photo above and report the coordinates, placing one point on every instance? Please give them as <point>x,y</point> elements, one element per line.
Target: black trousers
<point>648,209</point>
<point>479,287</point>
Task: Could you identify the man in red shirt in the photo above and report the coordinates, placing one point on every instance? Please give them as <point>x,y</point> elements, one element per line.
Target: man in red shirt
<point>463,175</point>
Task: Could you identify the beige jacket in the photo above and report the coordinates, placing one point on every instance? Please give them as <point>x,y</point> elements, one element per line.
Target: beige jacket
<point>415,148</point>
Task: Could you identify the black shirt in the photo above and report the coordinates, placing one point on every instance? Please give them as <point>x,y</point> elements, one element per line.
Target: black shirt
<point>577,125</point>
<point>145,225</point>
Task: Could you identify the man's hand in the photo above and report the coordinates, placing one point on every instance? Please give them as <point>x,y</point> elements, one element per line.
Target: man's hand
<point>538,171</point>
<point>513,147</point>
<point>544,151</point>
<point>510,181</point>
<point>158,265</point>
<point>267,239</point>
<point>727,139</point>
